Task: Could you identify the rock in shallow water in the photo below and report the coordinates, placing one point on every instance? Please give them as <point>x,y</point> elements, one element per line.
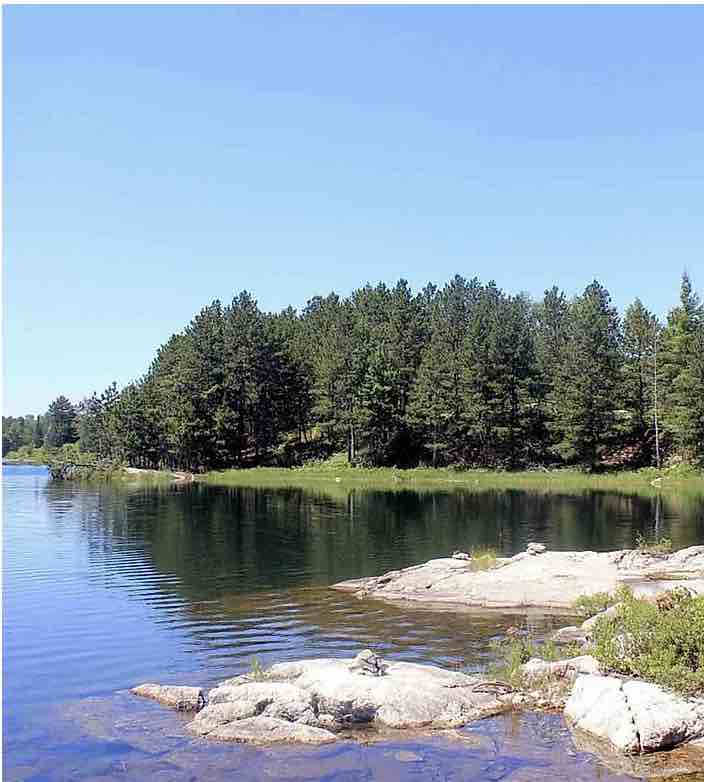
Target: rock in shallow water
<point>534,578</point>
<point>176,697</point>
<point>634,716</point>
<point>316,698</point>
<point>270,730</point>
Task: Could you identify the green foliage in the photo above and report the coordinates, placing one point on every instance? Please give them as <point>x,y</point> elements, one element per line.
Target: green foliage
<point>70,463</point>
<point>662,643</point>
<point>61,423</point>
<point>21,433</point>
<point>513,651</point>
<point>585,390</point>
<point>653,545</point>
<point>465,375</point>
<point>591,605</point>
<point>483,558</point>
<point>256,671</point>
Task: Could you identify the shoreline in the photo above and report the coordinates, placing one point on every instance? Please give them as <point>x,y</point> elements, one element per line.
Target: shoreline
<point>335,474</point>
<point>331,475</point>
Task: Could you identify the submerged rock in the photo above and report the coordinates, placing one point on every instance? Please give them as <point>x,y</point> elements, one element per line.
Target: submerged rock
<point>270,730</point>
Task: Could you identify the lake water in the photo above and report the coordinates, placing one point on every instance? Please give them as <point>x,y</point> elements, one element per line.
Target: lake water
<point>106,587</point>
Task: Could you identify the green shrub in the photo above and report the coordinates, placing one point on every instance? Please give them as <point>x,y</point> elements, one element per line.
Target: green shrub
<point>517,648</point>
<point>256,671</point>
<point>483,558</point>
<point>662,642</point>
<point>653,545</point>
<point>591,605</point>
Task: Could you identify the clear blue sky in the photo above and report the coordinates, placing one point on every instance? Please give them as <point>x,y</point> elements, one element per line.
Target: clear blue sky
<point>159,157</point>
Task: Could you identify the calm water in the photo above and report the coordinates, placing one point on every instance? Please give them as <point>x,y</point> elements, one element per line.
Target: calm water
<point>105,588</point>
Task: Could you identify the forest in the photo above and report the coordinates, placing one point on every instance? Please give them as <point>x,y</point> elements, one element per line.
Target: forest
<point>464,375</point>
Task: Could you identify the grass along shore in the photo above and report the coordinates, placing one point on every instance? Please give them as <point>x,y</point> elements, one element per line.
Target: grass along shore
<point>336,470</point>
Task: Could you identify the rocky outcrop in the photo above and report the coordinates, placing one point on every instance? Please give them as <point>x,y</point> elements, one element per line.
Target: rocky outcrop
<point>313,700</point>
<point>534,578</point>
<point>634,716</point>
<point>179,698</point>
<point>319,701</point>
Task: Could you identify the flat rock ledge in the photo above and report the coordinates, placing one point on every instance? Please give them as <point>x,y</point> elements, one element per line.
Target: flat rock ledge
<point>535,578</point>
<point>319,701</point>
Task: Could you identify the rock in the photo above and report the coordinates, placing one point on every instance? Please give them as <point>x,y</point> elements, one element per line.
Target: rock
<point>662,719</point>
<point>368,664</point>
<point>536,548</point>
<point>408,695</point>
<point>635,716</point>
<point>406,756</point>
<point>310,700</point>
<point>684,760</point>
<point>272,699</point>
<point>608,613</point>
<point>569,635</point>
<point>554,579</point>
<point>461,555</point>
<point>569,668</point>
<point>179,698</point>
<point>597,705</point>
<point>270,730</point>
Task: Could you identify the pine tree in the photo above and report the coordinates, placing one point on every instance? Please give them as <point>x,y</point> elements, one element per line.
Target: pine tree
<point>551,338</point>
<point>640,333</point>
<point>61,423</point>
<point>677,357</point>
<point>438,401</point>
<point>584,397</point>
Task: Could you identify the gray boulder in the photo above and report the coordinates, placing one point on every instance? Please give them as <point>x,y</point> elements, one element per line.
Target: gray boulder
<point>270,730</point>
<point>176,697</point>
<point>634,716</point>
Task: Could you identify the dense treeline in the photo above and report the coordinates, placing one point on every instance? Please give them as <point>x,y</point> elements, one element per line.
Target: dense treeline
<point>466,374</point>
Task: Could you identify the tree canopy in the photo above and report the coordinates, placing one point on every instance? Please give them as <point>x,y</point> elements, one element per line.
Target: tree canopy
<point>463,374</point>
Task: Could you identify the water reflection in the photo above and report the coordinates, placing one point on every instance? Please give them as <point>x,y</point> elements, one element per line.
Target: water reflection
<point>106,586</point>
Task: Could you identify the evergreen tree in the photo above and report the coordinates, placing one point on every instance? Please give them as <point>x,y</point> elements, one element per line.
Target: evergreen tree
<point>640,334</point>
<point>61,424</point>
<point>438,403</point>
<point>676,359</point>
<point>466,375</point>
<point>551,338</point>
<point>584,396</point>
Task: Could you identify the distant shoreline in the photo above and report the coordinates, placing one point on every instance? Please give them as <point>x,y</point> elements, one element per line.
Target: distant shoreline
<point>335,473</point>
<point>330,473</point>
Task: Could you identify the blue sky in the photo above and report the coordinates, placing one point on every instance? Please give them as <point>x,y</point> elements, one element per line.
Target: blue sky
<point>156,158</point>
